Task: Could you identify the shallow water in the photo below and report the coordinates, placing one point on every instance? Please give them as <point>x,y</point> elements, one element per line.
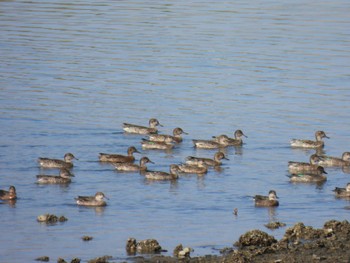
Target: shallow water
<point>72,73</point>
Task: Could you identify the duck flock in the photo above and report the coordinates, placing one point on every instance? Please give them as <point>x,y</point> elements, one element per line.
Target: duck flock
<point>313,171</point>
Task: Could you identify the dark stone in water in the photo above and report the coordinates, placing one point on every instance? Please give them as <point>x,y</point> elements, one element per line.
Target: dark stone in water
<point>43,258</point>
<point>275,225</point>
<point>103,259</point>
<point>87,238</point>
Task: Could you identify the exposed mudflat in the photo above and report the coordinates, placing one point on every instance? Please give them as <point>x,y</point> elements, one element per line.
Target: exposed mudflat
<point>299,244</point>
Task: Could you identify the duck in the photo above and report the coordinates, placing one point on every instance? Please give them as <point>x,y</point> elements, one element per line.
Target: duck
<point>176,137</point>
<point>200,168</point>
<point>221,142</point>
<point>8,195</point>
<point>131,167</point>
<point>319,143</point>
<point>307,177</point>
<point>335,161</point>
<point>63,178</point>
<point>268,201</point>
<point>96,200</point>
<point>342,192</point>
<point>150,145</point>
<point>56,163</point>
<point>160,175</point>
<point>207,161</point>
<point>301,167</point>
<point>118,158</point>
<point>236,141</point>
<point>152,129</point>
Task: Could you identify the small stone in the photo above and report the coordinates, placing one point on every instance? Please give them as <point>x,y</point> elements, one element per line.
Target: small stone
<point>177,249</point>
<point>103,259</point>
<point>62,219</point>
<point>43,258</point>
<point>275,225</point>
<point>87,238</point>
<point>61,260</point>
<point>131,246</point>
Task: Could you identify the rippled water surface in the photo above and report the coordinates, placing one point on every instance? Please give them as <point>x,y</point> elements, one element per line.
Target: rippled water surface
<point>73,72</point>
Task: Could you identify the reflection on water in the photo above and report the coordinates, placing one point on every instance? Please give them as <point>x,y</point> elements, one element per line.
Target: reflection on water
<point>74,72</point>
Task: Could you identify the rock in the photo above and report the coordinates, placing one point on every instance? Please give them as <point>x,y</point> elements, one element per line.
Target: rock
<point>275,225</point>
<point>256,238</point>
<point>177,249</point>
<point>185,253</point>
<point>75,260</point>
<point>43,258</point>
<point>300,231</point>
<point>131,246</point>
<point>86,238</point>
<point>181,252</point>
<point>148,246</point>
<point>103,259</point>
<point>51,219</point>
<point>61,260</point>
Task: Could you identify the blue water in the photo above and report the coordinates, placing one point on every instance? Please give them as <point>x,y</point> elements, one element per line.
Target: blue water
<point>72,73</point>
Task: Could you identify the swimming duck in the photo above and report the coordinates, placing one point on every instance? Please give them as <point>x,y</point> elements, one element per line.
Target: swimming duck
<point>8,195</point>
<point>222,141</point>
<point>63,178</point>
<point>236,141</point>
<point>317,177</point>
<point>176,137</point>
<point>200,168</point>
<point>131,167</point>
<point>132,128</point>
<point>270,200</point>
<point>118,158</point>
<point>319,135</point>
<point>209,162</point>
<point>334,161</point>
<point>301,167</point>
<point>159,175</point>
<point>150,145</point>
<point>55,163</point>
<point>96,200</point>
<point>342,192</point>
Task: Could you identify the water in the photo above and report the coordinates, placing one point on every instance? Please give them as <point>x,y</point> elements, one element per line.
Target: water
<point>72,73</point>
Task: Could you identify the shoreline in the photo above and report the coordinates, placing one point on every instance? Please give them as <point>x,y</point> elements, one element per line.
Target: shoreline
<point>300,243</point>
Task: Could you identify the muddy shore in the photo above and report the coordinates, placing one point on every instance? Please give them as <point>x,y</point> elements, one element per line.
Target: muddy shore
<point>300,243</point>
